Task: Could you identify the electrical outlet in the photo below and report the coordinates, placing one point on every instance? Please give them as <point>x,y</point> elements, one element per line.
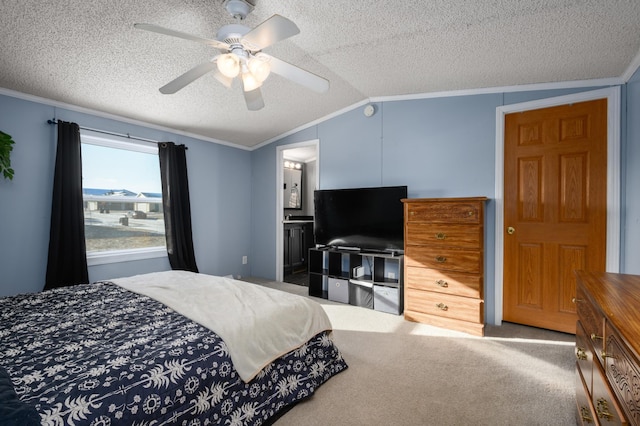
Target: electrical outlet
<point>392,275</point>
<point>244,260</point>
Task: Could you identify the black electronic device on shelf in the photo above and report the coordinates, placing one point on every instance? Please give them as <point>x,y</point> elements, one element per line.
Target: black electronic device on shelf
<point>368,219</point>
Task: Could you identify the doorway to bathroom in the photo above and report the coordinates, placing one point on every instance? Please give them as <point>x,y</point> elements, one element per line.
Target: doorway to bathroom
<point>297,177</point>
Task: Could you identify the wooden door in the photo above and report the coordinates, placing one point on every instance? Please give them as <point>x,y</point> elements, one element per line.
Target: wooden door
<point>555,182</point>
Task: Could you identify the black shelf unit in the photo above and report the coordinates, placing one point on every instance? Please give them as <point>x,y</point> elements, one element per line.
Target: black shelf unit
<point>372,280</point>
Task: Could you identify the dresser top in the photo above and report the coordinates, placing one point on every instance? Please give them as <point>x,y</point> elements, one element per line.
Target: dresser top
<point>618,296</point>
<point>431,200</point>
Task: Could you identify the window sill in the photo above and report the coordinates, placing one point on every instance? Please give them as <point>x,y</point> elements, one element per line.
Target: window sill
<point>102,258</point>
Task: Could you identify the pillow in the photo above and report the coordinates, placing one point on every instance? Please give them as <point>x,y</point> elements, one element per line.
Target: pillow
<point>14,412</point>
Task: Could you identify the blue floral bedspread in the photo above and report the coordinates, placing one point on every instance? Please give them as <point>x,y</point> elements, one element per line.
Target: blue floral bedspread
<point>97,354</point>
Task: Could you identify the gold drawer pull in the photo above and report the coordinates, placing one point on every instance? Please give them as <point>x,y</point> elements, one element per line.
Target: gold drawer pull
<point>581,354</point>
<point>441,236</point>
<point>470,213</point>
<point>442,306</point>
<point>442,283</point>
<point>602,409</point>
<point>594,336</point>
<point>576,300</point>
<point>586,415</point>
<point>441,259</point>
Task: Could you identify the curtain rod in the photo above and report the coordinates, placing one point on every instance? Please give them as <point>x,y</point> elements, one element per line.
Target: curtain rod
<point>127,136</point>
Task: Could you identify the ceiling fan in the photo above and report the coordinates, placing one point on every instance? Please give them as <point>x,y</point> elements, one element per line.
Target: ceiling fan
<point>241,55</point>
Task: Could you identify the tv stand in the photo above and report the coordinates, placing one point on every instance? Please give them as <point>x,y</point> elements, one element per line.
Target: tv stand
<point>370,252</point>
<point>359,277</point>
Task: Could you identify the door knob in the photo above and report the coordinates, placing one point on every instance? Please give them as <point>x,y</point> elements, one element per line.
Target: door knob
<point>511,230</point>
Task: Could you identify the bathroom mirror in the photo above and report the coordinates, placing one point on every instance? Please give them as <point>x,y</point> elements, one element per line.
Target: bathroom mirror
<point>292,188</point>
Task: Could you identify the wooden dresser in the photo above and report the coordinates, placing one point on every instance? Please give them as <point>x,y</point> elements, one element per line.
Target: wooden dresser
<point>444,262</point>
<point>608,349</point>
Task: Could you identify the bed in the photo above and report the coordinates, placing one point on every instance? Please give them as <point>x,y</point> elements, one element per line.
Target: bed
<point>163,348</point>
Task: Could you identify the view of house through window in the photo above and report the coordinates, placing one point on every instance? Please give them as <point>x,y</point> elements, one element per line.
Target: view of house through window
<point>122,195</point>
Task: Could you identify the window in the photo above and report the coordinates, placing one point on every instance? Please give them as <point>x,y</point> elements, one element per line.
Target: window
<point>122,195</point>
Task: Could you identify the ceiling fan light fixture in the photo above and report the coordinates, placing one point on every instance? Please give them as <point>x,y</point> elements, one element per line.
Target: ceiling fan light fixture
<point>228,65</point>
<point>260,67</point>
<point>249,81</point>
<point>241,55</point>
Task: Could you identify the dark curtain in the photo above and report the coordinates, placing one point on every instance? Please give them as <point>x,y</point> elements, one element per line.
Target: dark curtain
<point>177,208</point>
<point>67,262</point>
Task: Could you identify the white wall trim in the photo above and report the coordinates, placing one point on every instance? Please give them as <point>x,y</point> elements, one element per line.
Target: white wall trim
<point>280,201</point>
<point>632,68</point>
<point>614,81</point>
<point>505,89</point>
<point>119,256</point>
<point>612,94</point>
<point>75,108</point>
<point>117,142</point>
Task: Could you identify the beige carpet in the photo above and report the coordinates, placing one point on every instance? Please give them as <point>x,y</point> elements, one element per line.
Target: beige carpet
<point>404,373</point>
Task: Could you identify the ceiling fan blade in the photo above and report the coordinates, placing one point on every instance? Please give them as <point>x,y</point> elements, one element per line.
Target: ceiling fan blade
<point>298,75</point>
<point>166,31</point>
<point>254,99</point>
<point>271,31</point>
<point>188,77</point>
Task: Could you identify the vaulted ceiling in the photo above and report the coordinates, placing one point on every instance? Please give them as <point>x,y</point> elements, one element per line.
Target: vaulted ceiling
<point>88,54</point>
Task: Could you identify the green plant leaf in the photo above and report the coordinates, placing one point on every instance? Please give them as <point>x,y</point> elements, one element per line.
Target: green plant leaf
<point>6,147</point>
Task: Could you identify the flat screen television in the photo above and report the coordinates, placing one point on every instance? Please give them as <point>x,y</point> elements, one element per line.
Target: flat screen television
<point>369,219</point>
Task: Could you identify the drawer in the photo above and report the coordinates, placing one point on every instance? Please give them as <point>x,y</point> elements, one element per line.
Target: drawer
<point>458,284</point>
<point>585,413</point>
<point>444,305</point>
<point>623,374</point>
<point>444,259</point>
<point>604,403</point>
<point>584,356</point>
<point>592,321</point>
<point>459,236</point>
<point>445,212</point>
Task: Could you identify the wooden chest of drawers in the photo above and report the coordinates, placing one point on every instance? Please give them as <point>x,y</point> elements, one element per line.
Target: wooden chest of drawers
<point>444,262</point>
<point>608,349</point>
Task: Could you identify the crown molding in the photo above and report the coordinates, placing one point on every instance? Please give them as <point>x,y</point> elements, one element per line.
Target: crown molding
<point>75,108</point>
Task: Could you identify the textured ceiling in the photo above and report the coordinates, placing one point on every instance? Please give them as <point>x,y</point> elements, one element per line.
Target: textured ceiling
<point>87,53</point>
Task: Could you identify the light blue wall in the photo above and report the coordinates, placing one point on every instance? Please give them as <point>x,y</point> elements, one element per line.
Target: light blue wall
<point>440,147</point>
<point>351,151</point>
<point>631,179</point>
<point>220,190</point>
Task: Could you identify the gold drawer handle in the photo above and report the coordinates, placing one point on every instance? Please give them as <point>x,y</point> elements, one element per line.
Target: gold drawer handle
<point>586,415</point>
<point>441,236</point>
<point>604,355</point>
<point>576,300</point>
<point>441,259</point>
<point>602,409</point>
<point>470,213</point>
<point>442,283</point>
<point>442,306</point>
<point>581,354</point>
<point>594,336</point>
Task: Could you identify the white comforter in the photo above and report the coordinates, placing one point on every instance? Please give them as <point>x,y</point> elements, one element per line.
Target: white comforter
<point>258,324</point>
